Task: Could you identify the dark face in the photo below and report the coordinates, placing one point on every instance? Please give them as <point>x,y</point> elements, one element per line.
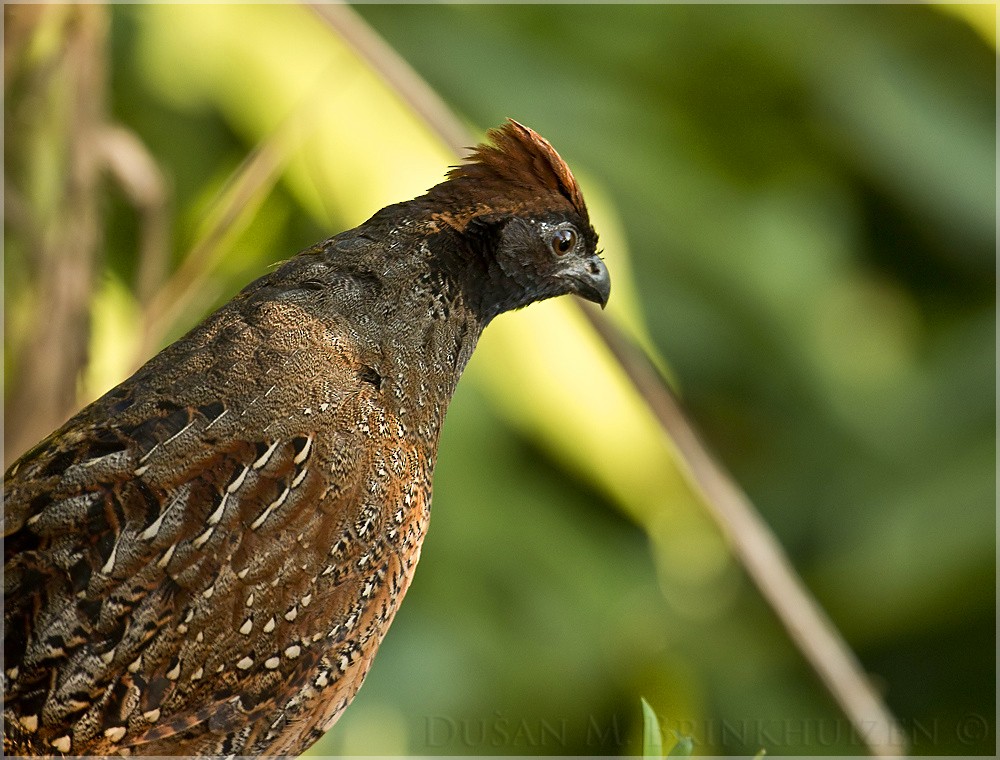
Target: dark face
<point>551,255</point>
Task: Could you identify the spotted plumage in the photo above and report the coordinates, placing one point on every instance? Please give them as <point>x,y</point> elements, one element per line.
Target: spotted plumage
<point>205,560</point>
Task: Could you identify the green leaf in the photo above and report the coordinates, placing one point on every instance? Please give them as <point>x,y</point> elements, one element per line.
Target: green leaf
<point>652,738</point>
<point>683,748</point>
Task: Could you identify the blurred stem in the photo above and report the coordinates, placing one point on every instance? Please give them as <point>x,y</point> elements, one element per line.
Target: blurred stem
<point>55,109</point>
<point>752,541</point>
<point>130,164</point>
<point>59,143</point>
<point>760,553</point>
<point>397,73</point>
<point>242,195</point>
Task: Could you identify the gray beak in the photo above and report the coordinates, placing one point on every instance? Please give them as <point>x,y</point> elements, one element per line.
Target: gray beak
<point>590,279</point>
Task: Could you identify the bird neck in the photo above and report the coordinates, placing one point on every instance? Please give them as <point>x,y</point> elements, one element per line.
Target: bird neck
<point>466,266</point>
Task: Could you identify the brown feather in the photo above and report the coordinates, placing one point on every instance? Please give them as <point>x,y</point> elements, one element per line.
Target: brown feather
<point>520,172</point>
<point>205,560</point>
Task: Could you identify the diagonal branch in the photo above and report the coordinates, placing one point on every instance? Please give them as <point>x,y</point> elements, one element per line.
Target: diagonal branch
<point>397,73</point>
<point>244,189</point>
<point>752,541</point>
<point>758,550</point>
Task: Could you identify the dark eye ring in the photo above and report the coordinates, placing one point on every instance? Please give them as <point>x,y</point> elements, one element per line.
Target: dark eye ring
<point>563,242</point>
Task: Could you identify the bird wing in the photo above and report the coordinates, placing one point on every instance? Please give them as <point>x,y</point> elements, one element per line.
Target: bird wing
<point>121,527</point>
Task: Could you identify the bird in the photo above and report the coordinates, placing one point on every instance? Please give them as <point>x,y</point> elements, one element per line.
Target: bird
<point>205,560</point>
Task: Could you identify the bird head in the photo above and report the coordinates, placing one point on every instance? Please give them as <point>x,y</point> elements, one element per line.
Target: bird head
<point>515,208</point>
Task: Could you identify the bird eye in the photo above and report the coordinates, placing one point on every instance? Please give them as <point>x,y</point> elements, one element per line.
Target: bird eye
<point>563,242</point>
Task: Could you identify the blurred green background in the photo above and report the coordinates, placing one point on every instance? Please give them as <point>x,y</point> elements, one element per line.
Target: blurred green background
<point>797,204</point>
